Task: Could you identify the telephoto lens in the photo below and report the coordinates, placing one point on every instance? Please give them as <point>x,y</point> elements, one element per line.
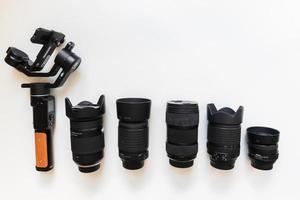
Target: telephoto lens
<point>182,118</point>
<point>223,136</point>
<point>133,133</point>
<point>87,135</point>
<point>262,147</point>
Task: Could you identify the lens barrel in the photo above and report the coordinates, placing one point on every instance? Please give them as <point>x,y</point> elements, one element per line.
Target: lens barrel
<point>182,118</point>
<point>87,135</point>
<point>262,147</point>
<point>133,131</point>
<point>223,136</point>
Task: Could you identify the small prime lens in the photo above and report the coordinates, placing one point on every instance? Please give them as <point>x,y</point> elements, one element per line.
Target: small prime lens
<point>87,136</point>
<point>133,115</point>
<point>223,136</point>
<point>182,118</point>
<point>262,147</point>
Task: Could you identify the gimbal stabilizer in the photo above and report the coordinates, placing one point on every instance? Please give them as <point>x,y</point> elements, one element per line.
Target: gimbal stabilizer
<point>42,102</point>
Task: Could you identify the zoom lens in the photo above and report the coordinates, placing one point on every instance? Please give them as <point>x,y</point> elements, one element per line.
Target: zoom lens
<point>133,115</point>
<point>182,118</point>
<point>262,147</point>
<point>87,136</point>
<point>223,136</point>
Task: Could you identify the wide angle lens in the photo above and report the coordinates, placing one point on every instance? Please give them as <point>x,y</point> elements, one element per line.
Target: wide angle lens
<point>87,135</point>
<point>223,136</point>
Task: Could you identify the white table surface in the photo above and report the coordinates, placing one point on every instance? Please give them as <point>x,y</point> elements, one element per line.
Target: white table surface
<point>228,52</point>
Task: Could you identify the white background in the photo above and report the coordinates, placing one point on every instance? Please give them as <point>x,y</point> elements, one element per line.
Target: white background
<point>230,52</point>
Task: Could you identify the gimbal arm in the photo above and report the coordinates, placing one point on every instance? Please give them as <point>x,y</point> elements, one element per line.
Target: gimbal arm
<point>20,60</point>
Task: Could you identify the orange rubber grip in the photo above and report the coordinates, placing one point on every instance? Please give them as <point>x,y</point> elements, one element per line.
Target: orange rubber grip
<point>41,152</point>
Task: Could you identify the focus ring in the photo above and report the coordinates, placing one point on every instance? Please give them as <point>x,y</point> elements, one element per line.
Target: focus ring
<point>233,150</point>
<point>181,150</point>
<point>263,149</point>
<point>82,125</point>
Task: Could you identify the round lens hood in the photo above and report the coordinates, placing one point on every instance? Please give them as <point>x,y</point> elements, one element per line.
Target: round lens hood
<point>262,135</point>
<point>133,109</point>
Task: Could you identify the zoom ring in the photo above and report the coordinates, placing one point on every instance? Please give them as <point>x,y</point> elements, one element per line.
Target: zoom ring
<point>182,120</point>
<point>133,140</point>
<point>226,135</point>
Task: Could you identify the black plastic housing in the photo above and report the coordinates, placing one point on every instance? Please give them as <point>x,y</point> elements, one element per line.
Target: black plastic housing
<point>182,118</point>
<point>48,38</point>
<point>65,63</point>
<point>87,134</point>
<point>43,105</point>
<point>262,146</point>
<point>223,136</point>
<point>133,131</point>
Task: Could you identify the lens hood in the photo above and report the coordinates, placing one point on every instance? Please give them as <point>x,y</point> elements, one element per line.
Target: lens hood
<point>133,109</point>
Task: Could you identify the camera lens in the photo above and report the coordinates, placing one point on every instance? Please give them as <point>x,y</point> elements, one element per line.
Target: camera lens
<point>133,115</point>
<point>262,147</point>
<point>87,136</point>
<point>182,118</point>
<point>223,136</point>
